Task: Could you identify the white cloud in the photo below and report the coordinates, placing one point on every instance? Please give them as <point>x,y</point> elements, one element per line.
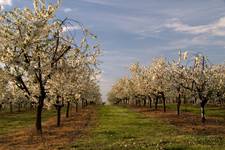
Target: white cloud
<point>66,10</point>
<point>216,28</point>
<point>142,26</point>
<point>71,28</point>
<point>4,3</point>
<point>201,40</point>
<point>100,2</point>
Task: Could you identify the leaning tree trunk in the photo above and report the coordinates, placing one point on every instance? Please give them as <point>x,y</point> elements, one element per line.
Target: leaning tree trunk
<point>67,109</point>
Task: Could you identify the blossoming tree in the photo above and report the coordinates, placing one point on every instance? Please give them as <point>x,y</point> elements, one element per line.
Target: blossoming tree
<point>33,42</point>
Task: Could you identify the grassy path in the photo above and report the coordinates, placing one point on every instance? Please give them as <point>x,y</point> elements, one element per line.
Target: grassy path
<point>120,128</point>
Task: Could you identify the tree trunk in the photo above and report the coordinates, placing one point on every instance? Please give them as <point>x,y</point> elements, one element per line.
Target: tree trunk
<point>156,102</point>
<point>58,115</point>
<point>164,102</point>
<point>82,103</point>
<point>11,107</point>
<point>144,102</point>
<point>67,109</point>
<point>178,104</point>
<point>38,119</point>
<point>195,100</point>
<point>150,102</point>
<point>39,113</point>
<point>203,111</point>
<point>76,106</point>
<point>86,103</point>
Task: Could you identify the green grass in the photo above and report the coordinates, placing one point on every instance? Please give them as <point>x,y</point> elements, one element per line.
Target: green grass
<point>211,111</point>
<point>10,122</point>
<point>119,128</point>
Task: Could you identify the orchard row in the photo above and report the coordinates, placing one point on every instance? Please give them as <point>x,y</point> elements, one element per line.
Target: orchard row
<point>191,78</point>
<point>43,64</point>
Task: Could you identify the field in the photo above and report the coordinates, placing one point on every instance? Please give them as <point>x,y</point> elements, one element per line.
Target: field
<point>112,75</point>
<point>12,121</point>
<point>118,127</point>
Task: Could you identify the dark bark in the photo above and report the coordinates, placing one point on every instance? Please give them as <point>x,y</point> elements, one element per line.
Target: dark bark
<point>67,109</point>
<point>139,102</point>
<point>82,103</point>
<point>31,106</point>
<point>202,104</point>
<point>76,106</point>
<point>150,102</point>
<point>86,103</point>
<point>156,102</point>
<point>164,101</point>
<point>11,107</point>
<point>144,102</point>
<point>178,104</point>
<point>59,115</point>
<point>39,109</point>
<point>195,100</point>
<point>58,107</point>
<point>38,115</point>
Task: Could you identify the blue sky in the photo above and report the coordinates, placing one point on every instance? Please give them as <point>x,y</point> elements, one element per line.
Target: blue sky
<point>139,30</point>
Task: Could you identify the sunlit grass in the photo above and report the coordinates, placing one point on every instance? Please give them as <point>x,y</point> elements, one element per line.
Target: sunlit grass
<point>119,128</point>
<point>211,111</point>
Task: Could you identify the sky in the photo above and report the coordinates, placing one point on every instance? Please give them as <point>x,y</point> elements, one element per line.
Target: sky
<point>139,30</point>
